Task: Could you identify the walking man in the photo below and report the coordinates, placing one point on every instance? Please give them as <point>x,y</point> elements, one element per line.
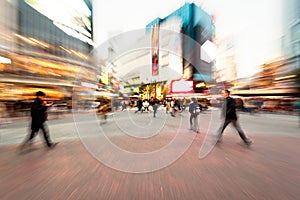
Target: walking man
<point>229,116</point>
<point>39,117</point>
<point>194,110</point>
<point>139,103</point>
<point>155,105</point>
<point>183,104</point>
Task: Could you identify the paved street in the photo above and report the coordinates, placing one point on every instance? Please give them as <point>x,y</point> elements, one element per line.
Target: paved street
<point>269,169</point>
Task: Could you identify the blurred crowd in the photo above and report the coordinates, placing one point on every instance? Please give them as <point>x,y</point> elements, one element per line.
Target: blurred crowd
<point>106,105</point>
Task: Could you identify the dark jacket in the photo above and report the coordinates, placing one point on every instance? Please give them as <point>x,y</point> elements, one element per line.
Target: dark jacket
<point>228,110</point>
<point>192,107</point>
<point>139,103</point>
<point>154,104</point>
<point>38,113</point>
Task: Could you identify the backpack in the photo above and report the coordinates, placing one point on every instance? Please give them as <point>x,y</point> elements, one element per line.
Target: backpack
<point>195,109</point>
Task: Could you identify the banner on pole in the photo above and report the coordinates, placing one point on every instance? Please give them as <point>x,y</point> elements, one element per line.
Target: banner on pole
<point>155,50</point>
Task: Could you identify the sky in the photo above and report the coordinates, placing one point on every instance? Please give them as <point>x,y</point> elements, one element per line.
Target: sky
<point>254,23</point>
<point>115,16</point>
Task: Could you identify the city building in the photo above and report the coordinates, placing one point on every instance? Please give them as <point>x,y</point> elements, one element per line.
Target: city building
<point>47,44</point>
<point>196,27</point>
<point>178,51</point>
<point>291,29</point>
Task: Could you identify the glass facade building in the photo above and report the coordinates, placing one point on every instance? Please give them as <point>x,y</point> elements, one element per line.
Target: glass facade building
<point>33,22</point>
<point>291,28</point>
<point>45,45</point>
<point>198,26</point>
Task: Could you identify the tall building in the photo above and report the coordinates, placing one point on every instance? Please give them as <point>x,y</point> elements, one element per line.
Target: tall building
<point>170,48</point>
<point>291,28</point>
<point>48,44</point>
<point>197,27</point>
<point>71,29</point>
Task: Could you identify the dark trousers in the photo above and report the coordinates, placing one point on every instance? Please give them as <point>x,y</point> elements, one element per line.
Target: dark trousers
<point>35,130</point>
<point>194,121</point>
<point>192,117</point>
<point>236,125</point>
<point>139,109</point>
<point>155,107</point>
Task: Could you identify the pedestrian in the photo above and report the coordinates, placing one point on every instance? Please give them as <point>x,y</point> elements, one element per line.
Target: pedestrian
<point>139,104</point>
<point>124,105</point>
<point>183,104</point>
<point>146,105</point>
<point>228,116</point>
<point>297,109</point>
<point>39,117</point>
<point>178,104</point>
<point>155,104</point>
<point>103,110</point>
<point>168,105</point>
<point>3,115</point>
<point>194,110</point>
<point>172,107</point>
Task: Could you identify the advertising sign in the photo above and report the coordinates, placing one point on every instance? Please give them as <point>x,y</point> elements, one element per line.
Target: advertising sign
<point>155,51</point>
<point>182,86</point>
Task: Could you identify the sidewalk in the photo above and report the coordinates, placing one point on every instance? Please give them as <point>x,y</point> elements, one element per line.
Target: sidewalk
<point>270,169</point>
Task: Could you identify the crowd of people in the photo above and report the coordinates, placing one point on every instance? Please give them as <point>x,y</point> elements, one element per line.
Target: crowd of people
<point>172,106</point>
<point>176,105</point>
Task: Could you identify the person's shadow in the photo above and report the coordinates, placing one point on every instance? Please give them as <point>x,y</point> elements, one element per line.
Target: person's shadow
<point>27,150</point>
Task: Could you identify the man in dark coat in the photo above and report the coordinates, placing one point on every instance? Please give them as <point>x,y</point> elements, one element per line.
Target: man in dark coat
<point>155,104</point>
<point>229,116</point>
<point>39,117</point>
<point>139,105</point>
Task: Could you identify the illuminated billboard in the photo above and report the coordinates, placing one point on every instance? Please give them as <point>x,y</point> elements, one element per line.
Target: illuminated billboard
<point>174,23</point>
<point>155,50</point>
<point>73,17</point>
<point>181,86</point>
